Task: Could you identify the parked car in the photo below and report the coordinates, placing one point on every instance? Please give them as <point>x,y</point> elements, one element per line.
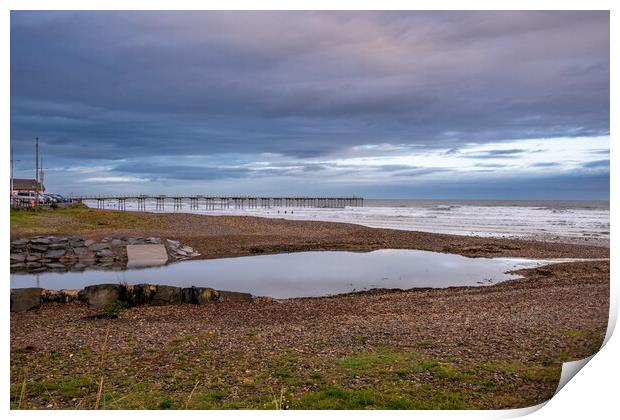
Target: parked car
<point>59,198</point>
<point>48,199</point>
<point>26,196</point>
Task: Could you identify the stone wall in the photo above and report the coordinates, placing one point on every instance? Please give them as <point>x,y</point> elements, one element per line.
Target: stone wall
<point>101,295</point>
<point>74,253</point>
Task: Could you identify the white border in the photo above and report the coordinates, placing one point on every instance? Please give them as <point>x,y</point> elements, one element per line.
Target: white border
<point>592,394</point>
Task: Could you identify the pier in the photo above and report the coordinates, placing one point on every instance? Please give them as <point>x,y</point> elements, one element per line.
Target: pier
<point>204,202</point>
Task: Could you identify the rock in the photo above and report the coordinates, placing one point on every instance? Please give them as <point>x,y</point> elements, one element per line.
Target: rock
<point>18,266</point>
<point>226,296</point>
<point>34,257</point>
<point>135,241</point>
<point>88,242</point>
<point>104,253</point>
<point>167,295</point>
<point>141,294</point>
<point>99,247</point>
<point>19,243</point>
<point>116,242</point>
<point>55,254</point>
<point>173,243</point>
<point>33,264</point>
<point>62,296</point>
<point>101,295</point>
<point>199,295</point>
<point>80,251</point>
<point>56,265</point>
<point>26,299</point>
<point>58,246</point>
<point>38,248</point>
<point>18,257</point>
<point>153,240</point>
<point>41,241</point>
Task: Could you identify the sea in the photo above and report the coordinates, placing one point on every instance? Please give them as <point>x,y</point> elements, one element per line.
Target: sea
<point>566,221</point>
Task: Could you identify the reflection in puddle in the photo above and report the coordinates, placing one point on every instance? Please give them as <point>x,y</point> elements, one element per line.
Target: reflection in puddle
<point>305,273</point>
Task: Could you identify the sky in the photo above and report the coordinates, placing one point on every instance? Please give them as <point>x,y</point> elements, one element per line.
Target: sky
<point>472,105</point>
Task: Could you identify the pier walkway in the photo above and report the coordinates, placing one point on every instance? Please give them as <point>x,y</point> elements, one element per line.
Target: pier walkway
<point>196,202</point>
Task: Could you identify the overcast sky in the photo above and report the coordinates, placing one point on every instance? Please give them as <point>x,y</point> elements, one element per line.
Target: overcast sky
<point>393,104</point>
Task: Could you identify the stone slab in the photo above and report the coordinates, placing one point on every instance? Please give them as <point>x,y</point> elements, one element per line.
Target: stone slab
<point>146,255</point>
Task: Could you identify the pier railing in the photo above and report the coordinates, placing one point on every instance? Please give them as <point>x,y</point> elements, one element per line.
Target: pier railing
<point>196,202</point>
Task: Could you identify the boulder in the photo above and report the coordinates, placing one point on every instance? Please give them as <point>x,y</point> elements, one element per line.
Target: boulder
<point>101,295</point>
<point>227,296</point>
<point>141,294</point>
<point>62,296</point>
<point>26,299</point>
<point>199,295</point>
<point>167,295</point>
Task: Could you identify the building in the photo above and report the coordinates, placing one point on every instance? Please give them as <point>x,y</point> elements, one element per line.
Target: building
<point>26,185</point>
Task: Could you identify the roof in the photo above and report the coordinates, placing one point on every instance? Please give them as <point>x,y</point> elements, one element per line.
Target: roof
<point>26,184</point>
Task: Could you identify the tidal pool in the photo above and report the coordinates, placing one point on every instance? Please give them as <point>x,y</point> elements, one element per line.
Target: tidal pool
<point>303,274</point>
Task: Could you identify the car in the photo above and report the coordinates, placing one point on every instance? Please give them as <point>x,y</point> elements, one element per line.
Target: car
<point>60,198</point>
<point>26,196</point>
<point>48,199</point>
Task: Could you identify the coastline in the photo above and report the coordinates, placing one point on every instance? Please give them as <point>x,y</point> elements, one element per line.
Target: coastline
<point>498,346</point>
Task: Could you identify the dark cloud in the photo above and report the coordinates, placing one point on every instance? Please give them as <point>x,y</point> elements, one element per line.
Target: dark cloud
<point>143,85</point>
<point>545,164</point>
<point>194,173</point>
<point>492,154</point>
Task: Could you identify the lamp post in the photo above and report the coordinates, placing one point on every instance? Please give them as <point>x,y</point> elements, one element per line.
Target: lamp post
<point>12,160</point>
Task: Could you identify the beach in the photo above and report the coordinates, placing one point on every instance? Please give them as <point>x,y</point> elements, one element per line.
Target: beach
<point>497,346</point>
<point>577,221</point>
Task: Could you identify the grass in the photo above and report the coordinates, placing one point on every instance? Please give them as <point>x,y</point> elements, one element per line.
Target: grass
<point>73,219</point>
<point>336,398</point>
<point>115,307</point>
<point>376,378</point>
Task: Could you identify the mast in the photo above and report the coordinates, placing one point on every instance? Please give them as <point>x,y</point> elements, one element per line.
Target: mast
<point>36,150</point>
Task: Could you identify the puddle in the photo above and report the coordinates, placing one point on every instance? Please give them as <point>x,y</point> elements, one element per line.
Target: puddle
<point>303,274</point>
